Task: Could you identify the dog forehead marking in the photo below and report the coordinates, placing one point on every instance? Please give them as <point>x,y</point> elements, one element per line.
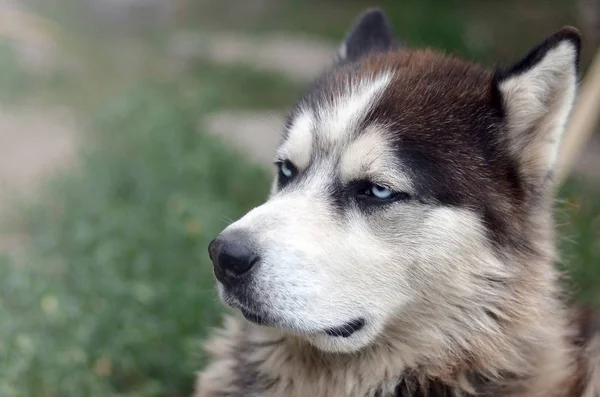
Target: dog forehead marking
<point>343,115</point>
<point>334,121</point>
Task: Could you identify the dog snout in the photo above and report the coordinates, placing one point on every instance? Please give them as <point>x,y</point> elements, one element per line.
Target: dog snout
<point>233,256</point>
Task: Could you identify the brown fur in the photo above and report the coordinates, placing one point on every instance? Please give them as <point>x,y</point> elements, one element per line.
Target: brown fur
<point>530,343</point>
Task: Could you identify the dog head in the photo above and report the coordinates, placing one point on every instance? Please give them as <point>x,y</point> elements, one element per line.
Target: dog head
<point>408,185</point>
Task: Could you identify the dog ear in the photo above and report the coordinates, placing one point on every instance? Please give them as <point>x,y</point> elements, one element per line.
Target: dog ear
<point>371,32</point>
<point>536,95</point>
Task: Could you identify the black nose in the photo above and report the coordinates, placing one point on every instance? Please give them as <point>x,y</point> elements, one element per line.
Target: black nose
<point>233,256</point>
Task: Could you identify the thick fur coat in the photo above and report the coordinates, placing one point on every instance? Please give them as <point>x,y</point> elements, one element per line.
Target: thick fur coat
<point>407,248</point>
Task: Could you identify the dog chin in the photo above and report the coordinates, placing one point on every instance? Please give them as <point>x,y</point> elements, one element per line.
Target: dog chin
<point>347,337</point>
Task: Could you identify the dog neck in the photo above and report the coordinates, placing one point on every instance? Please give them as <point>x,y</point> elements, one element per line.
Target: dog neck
<point>250,360</point>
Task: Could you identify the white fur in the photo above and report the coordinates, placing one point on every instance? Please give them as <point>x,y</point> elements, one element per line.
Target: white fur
<point>342,116</point>
<point>337,122</point>
<point>370,157</point>
<point>319,270</point>
<point>298,146</point>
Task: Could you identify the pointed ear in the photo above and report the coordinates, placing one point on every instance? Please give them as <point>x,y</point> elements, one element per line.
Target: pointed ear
<point>371,32</point>
<point>536,95</point>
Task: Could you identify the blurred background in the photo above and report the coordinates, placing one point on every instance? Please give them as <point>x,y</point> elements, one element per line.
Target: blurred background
<point>133,131</point>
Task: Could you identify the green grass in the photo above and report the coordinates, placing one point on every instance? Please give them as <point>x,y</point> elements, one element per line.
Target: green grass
<point>116,288</point>
<point>114,291</point>
<point>578,225</point>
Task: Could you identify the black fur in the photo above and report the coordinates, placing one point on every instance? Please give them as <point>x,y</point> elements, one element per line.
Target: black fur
<point>371,32</point>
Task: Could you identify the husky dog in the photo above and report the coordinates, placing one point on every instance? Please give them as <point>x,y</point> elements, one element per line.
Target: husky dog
<point>407,246</point>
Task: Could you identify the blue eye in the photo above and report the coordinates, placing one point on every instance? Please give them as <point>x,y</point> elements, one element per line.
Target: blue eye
<point>287,171</point>
<point>380,192</point>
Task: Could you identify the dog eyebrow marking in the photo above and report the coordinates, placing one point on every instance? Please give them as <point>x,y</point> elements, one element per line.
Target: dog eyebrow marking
<point>371,157</point>
<point>298,146</point>
<point>342,116</point>
<point>335,120</point>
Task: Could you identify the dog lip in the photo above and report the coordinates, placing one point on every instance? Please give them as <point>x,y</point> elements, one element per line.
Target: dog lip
<point>253,317</point>
<point>347,329</point>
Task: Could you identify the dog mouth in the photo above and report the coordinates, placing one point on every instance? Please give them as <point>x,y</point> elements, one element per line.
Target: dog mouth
<point>348,329</point>
<point>260,318</point>
<point>344,331</point>
<point>251,314</point>
<point>255,318</point>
